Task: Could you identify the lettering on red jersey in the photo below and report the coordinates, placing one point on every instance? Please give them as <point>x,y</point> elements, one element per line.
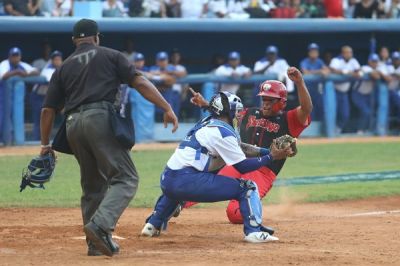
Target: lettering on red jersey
<point>263,123</point>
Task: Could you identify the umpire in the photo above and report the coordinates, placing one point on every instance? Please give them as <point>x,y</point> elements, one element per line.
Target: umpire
<point>86,86</point>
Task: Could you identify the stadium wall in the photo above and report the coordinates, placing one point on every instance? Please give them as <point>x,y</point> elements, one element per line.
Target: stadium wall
<point>199,40</point>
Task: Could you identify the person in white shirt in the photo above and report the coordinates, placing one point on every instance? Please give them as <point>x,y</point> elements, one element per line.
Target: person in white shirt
<point>345,64</point>
<point>193,9</point>
<point>41,62</point>
<point>39,92</point>
<point>272,64</point>
<point>12,74</point>
<point>113,8</point>
<point>217,8</point>
<point>190,172</point>
<point>233,69</point>
<point>362,95</point>
<point>394,84</point>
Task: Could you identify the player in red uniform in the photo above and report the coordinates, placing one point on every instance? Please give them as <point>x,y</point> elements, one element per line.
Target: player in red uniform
<point>259,126</point>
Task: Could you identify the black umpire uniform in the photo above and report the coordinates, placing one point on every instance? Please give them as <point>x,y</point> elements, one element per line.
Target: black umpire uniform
<point>86,86</point>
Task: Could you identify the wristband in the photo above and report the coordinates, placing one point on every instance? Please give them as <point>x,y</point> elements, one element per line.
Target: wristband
<point>45,146</point>
<point>264,151</point>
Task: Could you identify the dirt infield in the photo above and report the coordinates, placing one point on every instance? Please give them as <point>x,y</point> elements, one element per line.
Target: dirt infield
<point>33,150</point>
<point>363,232</point>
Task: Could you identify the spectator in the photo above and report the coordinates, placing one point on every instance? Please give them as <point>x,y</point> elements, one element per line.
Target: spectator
<point>216,61</point>
<point>237,9</point>
<point>233,70</point>
<point>179,72</point>
<point>217,8</point>
<point>161,75</point>
<point>48,7</point>
<point>113,8</point>
<point>129,51</point>
<point>394,9</point>
<point>300,12</point>
<point>173,8</point>
<point>314,65</point>
<point>347,65</point>
<point>41,62</point>
<point>334,8</point>
<point>144,119</point>
<point>155,8</point>
<point>64,8</point>
<point>284,10</point>
<point>368,9</point>
<point>136,8</point>
<point>272,64</point>
<point>39,91</point>
<point>348,8</point>
<point>394,84</point>
<point>193,8</point>
<point>384,56</point>
<point>139,63</point>
<point>362,95</point>
<point>259,8</point>
<point>313,9</point>
<point>12,74</point>
<point>18,7</point>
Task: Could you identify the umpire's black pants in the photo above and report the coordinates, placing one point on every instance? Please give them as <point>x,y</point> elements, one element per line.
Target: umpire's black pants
<point>108,176</point>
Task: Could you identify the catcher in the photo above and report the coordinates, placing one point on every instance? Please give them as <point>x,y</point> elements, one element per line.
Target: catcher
<point>187,175</point>
<point>260,126</point>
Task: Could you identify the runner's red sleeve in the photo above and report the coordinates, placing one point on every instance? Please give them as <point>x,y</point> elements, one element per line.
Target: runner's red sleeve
<point>295,126</point>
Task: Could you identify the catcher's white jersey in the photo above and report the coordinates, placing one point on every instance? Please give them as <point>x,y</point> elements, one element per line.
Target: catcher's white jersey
<point>208,139</point>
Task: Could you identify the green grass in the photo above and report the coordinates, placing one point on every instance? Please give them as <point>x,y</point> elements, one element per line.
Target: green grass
<point>312,160</point>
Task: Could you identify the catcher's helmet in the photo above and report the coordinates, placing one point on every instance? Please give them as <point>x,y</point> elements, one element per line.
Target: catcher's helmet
<point>225,103</point>
<point>39,171</point>
<point>274,89</point>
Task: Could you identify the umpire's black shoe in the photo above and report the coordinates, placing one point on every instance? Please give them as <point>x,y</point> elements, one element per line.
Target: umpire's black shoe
<point>100,239</point>
<point>93,251</point>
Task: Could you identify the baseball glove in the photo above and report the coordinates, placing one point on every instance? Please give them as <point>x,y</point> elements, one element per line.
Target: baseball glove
<point>285,141</point>
<point>39,171</point>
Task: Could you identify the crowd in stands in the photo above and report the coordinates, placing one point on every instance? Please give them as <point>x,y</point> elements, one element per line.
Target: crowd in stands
<point>194,9</point>
<point>359,95</point>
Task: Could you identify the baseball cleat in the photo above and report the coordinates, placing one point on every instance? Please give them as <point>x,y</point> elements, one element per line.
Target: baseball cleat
<point>260,237</point>
<point>99,238</point>
<point>149,230</point>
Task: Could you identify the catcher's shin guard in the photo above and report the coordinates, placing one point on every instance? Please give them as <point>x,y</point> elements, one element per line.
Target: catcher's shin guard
<point>251,207</point>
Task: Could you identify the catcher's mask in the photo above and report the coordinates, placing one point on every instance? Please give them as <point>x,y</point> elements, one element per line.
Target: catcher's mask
<point>226,104</point>
<point>274,89</point>
<point>38,172</point>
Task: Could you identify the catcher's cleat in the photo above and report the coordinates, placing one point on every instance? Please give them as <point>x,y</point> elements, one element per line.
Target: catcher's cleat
<point>178,209</point>
<point>93,251</point>
<point>260,237</point>
<point>267,229</point>
<point>149,230</point>
<point>100,239</point>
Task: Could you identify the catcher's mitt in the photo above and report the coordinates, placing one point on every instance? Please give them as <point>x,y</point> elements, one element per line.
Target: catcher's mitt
<point>285,141</point>
<point>39,171</point>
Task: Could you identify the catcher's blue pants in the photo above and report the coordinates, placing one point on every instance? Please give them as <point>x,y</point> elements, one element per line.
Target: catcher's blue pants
<point>189,184</point>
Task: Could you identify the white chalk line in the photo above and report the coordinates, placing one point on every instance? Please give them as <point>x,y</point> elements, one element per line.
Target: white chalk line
<point>375,213</point>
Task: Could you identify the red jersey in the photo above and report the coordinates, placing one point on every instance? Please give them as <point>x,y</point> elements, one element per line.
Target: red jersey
<point>260,131</point>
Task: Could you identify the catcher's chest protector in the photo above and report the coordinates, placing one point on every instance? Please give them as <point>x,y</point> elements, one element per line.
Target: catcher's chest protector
<point>260,131</point>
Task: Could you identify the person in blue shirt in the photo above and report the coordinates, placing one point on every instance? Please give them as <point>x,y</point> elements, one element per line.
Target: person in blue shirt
<point>313,65</point>
<point>163,75</point>
<point>13,73</point>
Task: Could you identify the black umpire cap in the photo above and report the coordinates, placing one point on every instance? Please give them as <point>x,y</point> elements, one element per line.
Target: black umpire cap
<point>85,28</point>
